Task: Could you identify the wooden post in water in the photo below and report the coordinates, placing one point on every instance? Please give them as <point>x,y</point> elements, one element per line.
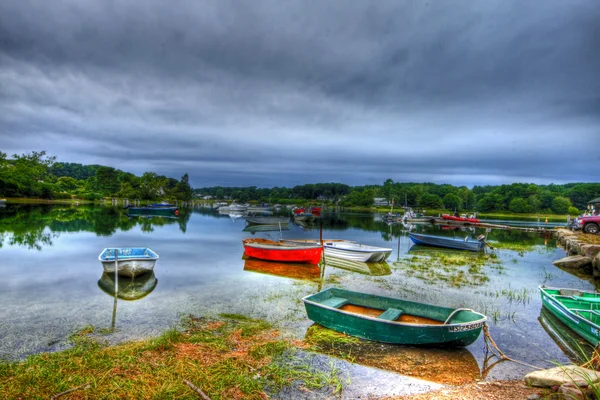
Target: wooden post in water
<point>114,316</point>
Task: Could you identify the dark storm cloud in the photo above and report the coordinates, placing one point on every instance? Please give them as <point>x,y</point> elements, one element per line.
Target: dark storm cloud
<point>282,93</point>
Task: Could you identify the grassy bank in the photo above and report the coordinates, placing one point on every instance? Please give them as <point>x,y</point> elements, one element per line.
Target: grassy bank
<point>229,357</point>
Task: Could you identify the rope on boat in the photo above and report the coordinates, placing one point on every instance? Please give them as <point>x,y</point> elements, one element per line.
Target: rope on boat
<point>501,355</point>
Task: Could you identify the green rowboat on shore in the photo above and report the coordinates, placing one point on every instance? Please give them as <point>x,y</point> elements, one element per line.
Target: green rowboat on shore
<point>390,320</point>
<point>578,309</point>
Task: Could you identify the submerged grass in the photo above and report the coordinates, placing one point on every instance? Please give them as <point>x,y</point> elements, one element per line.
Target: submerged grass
<point>235,357</point>
<point>456,270</point>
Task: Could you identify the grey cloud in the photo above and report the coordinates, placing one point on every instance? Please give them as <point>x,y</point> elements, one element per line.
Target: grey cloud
<point>277,94</point>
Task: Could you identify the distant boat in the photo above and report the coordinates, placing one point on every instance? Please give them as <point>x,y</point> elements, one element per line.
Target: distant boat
<point>462,218</point>
<point>448,242</point>
<point>270,250</point>
<point>578,309</point>
<point>128,289</point>
<point>233,207</point>
<point>132,261</point>
<point>266,228</point>
<point>260,220</point>
<point>389,320</point>
<point>349,250</point>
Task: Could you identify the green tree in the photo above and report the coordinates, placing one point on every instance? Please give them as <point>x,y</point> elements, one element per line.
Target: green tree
<point>428,200</point>
<point>519,205</point>
<point>183,190</point>
<point>560,205</point>
<point>107,181</point>
<point>452,202</point>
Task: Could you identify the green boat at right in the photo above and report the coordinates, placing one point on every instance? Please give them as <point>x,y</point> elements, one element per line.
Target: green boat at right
<point>578,309</point>
<point>396,321</point>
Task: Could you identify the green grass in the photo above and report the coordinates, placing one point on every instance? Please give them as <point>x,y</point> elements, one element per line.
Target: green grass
<point>234,357</point>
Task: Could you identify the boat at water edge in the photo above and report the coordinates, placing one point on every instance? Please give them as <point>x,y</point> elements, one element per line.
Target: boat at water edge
<point>372,268</point>
<point>132,261</point>
<point>578,309</point>
<point>448,242</point>
<point>348,249</point>
<point>271,250</point>
<point>389,320</point>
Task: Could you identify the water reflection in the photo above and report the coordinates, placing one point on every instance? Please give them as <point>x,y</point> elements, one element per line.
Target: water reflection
<point>35,226</point>
<point>128,289</point>
<point>286,270</point>
<point>448,366</point>
<point>578,349</point>
<point>373,268</point>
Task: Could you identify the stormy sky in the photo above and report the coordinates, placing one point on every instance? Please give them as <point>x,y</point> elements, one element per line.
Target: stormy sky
<point>284,92</point>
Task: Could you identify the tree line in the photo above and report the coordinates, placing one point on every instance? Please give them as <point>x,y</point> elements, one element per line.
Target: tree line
<point>571,198</point>
<point>38,175</point>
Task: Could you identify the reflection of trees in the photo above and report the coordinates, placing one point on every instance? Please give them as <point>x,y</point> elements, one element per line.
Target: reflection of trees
<point>34,225</point>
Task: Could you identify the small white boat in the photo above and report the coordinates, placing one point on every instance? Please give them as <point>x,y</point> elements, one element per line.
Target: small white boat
<point>349,250</point>
<point>132,261</point>
<point>233,207</point>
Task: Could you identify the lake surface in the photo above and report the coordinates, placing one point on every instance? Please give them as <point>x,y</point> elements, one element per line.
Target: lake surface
<point>53,285</point>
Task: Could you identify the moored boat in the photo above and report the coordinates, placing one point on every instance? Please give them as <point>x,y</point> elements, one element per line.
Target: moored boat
<point>349,250</point>
<point>448,242</point>
<point>462,218</point>
<point>270,250</point>
<point>373,268</point>
<point>390,320</point>
<point>265,220</point>
<point>578,309</point>
<point>131,261</point>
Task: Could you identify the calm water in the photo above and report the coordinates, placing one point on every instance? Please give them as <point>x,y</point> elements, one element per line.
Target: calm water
<point>52,282</point>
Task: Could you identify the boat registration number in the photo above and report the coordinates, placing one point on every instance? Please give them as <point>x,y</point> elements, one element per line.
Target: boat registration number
<point>464,328</point>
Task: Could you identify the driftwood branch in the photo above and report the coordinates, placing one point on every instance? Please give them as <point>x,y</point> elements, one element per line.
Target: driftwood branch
<point>56,396</point>
<point>196,389</point>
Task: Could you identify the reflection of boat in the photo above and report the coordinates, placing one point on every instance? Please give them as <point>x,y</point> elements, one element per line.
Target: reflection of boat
<point>449,366</point>
<point>288,270</point>
<point>384,319</point>
<point>447,242</point>
<point>372,268</point>
<point>572,345</point>
<point>432,250</point>
<point>132,261</point>
<point>266,228</point>
<point>234,215</point>
<point>128,289</point>
<point>348,249</point>
<point>279,251</point>
<point>260,220</point>
<point>578,309</point>
<point>417,220</point>
<point>154,209</point>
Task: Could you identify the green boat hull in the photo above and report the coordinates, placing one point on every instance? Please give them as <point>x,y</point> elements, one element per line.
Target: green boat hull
<point>579,310</point>
<point>461,329</point>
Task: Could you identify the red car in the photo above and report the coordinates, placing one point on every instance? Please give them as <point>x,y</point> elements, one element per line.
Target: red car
<point>589,224</point>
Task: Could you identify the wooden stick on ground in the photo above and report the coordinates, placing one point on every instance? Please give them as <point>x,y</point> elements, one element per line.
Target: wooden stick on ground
<point>196,389</point>
<point>56,396</point>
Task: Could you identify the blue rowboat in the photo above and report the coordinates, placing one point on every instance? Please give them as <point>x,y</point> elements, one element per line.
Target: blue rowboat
<point>448,242</point>
<point>131,261</point>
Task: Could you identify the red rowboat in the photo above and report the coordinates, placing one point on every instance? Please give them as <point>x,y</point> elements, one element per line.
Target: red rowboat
<point>270,250</point>
<point>448,217</point>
